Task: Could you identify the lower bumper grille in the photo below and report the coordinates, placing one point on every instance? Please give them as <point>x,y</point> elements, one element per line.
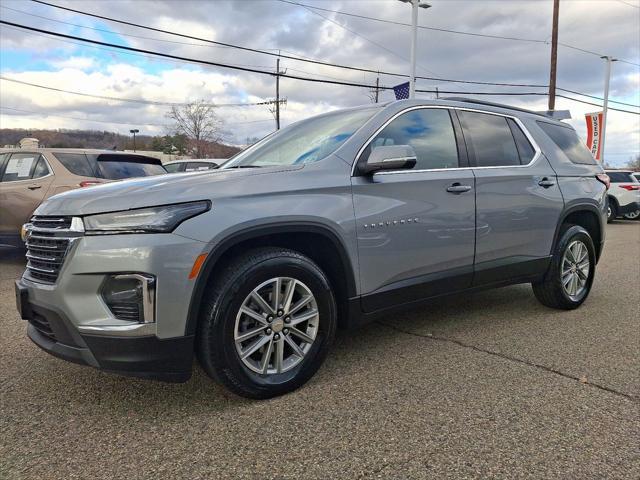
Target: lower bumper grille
<point>43,326</point>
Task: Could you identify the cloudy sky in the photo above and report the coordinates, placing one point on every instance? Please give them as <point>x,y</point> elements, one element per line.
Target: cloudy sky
<point>320,31</point>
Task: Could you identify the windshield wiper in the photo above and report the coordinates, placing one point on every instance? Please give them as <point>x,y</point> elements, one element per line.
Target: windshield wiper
<point>244,166</point>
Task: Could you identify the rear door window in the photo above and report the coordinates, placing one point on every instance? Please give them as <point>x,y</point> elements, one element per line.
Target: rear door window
<point>41,169</point>
<point>568,141</point>
<point>76,163</point>
<point>525,149</point>
<point>20,166</point>
<point>490,138</point>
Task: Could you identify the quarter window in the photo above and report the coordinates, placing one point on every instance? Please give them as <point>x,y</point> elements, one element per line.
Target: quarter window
<point>568,141</point>
<point>428,131</point>
<point>490,139</point>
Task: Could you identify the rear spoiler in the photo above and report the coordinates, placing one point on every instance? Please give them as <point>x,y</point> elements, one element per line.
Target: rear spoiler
<point>128,157</point>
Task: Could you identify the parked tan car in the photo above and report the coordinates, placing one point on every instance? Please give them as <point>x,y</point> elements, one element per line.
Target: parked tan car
<point>30,175</point>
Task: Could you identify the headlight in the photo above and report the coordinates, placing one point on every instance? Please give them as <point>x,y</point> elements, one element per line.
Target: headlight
<point>160,219</point>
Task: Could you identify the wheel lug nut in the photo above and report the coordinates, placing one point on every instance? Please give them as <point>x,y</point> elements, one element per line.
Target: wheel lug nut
<point>270,318</point>
<point>286,331</point>
<point>280,313</point>
<point>276,337</point>
<point>268,331</point>
<point>287,319</point>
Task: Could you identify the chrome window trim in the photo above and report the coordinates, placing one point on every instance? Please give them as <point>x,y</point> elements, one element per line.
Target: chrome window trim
<point>50,174</point>
<point>534,144</point>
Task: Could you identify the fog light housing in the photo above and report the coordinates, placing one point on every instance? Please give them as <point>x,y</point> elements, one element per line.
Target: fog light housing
<point>131,296</point>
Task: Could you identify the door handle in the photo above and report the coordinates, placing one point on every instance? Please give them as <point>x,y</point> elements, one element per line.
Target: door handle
<point>546,183</point>
<point>34,187</point>
<point>458,188</point>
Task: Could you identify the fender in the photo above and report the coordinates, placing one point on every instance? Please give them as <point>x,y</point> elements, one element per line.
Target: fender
<point>255,232</point>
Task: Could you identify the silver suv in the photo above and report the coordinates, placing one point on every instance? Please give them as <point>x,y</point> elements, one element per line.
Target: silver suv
<point>332,221</point>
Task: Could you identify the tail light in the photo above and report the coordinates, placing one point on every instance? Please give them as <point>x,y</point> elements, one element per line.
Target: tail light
<point>604,178</point>
<point>88,183</point>
<point>630,187</point>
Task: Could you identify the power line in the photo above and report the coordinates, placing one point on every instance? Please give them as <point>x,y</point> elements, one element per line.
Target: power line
<point>253,70</point>
<point>458,32</point>
<point>132,100</point>
<point>628,4</point>
<point>186,59</point>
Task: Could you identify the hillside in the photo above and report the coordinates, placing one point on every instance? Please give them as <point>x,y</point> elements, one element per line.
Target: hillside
<point>106,140</point>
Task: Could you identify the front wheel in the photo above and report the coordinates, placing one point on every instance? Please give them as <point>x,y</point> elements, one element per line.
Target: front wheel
<point>568,280</point>
<point>632,215</point>
<point>267,324</point>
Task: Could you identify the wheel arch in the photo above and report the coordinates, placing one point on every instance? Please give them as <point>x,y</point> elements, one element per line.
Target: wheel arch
<point>589,217</point>
<point>317,241</point>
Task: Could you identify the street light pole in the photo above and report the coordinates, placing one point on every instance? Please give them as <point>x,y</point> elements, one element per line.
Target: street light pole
<point>605,107</point>
<point>134,131</point>
<point>415,4</point>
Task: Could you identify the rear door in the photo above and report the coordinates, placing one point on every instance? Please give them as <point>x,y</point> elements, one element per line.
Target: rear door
<point>518,201</point>
<point>416,236</point>
<point>24,181</point>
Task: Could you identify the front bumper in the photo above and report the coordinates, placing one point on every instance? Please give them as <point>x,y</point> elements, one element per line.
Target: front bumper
<point>150,357</point>
<point>70,320</point>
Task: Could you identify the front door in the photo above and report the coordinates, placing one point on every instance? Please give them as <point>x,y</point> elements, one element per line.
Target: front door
<point>415,232</point>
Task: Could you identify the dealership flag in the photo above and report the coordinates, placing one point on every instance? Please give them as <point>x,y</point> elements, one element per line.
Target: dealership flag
<point>401,91</point>
<point>594,127</point>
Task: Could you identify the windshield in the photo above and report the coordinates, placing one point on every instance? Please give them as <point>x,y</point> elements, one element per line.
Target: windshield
<point>304,142</point>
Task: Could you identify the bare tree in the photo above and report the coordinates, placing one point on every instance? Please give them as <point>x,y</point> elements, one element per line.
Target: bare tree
<point>634,163</point>
<point>199,122</point>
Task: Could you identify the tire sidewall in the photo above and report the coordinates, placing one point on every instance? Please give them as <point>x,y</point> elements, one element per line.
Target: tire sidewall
<point>226,358</point>
<point>573,233</point>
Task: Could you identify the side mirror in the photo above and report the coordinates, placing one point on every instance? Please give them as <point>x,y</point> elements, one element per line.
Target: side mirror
<point>389,157</point>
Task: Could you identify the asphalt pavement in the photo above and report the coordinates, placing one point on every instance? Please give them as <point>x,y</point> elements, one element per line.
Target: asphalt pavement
<point>490,384</point>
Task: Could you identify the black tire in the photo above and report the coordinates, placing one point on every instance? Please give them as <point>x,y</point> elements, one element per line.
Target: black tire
<point>612,211</point>
<point>550,291</point>
<point>225,294</point>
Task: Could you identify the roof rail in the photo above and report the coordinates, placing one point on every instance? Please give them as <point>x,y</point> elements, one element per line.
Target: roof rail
<point>492,104</point>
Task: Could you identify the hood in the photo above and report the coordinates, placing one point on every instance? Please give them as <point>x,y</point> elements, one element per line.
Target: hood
<point>152,191</point>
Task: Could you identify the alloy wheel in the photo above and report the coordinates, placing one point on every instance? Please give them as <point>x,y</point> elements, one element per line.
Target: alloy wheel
<point>575,269</point>
<point>276,326</point>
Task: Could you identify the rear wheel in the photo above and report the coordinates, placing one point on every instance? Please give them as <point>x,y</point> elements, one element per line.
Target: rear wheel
<point>632,215</point>
<point>268,323</point>
<point>612,211</point>
<point>568,281</point>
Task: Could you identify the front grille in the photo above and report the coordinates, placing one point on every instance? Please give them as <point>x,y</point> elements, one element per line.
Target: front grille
<point>58,223</point>
<point>42,325</point>
<point>47,247</point>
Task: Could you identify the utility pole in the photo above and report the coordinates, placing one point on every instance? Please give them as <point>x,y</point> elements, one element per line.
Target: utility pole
<point>377,86</point>
<point>415,4</point>
<point>278,94</point>
<point>554,56</point>
<point>605,107</point>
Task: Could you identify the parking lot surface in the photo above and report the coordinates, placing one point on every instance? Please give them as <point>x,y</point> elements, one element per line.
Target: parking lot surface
<point>485,385</point>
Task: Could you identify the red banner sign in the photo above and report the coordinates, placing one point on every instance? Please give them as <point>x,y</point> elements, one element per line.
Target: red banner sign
<point>594,127</point>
